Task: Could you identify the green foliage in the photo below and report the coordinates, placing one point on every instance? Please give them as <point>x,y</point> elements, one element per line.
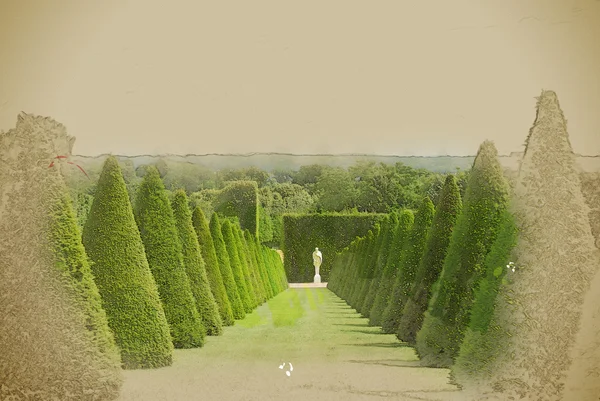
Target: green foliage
<point>156,223</point>
<point>239,199</point>
<point>265,225</point>
<point>213,270</point>
<point>482,343</point>
<point>412,252</point>
<point>336,190</point>
<point>236,265</point>
<point>72,259</point>
<point>388,278</point>
<point>82,202</point>
<point>475,231</point>
<point>233,295</point>
<point>388,235</point>
<point>244,256</point>
<point>256,268</point>
<point>195,266</point>
<point>438,239</point>
<point>120,268</point>
<point>329,232</point>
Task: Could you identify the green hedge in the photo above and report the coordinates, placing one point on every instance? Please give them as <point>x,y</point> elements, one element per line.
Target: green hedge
<point>386,248</point>
<point>476,228</point>
<point>412,253</point>
<point>154,216</point>
<point>213,270</point>
<point>482,343</point>
<point>244,255</point>
<point>329,232</point>
<point>233,294</point>
<point>195,266</point>
<point>236,265</point>
<point>438,239</point>
<point>128,289</point>
<point>386,285</point>
<point>72,259</point>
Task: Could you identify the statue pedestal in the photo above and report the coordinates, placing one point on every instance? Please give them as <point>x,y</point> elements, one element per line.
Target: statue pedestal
<point>317,278</point>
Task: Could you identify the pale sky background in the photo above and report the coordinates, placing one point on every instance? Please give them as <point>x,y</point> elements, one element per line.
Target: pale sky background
<point>390,77</point>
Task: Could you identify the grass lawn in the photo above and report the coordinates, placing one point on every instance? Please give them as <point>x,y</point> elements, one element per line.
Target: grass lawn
<point>334,353</point>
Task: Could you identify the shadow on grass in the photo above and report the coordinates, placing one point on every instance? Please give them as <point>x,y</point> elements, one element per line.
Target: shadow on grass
<point>376,332</point>
<point>397,363</point>
<point>380,345</point>
<point>351,325</point>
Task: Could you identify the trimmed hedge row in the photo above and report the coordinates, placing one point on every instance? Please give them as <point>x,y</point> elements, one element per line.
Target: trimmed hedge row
<point>329,232</point>
<point>156,223</point>
<point>121,271</point>
<point>410,259</point>
<point>438,239</point>
<point>195,266</point>
<point>476,228</point>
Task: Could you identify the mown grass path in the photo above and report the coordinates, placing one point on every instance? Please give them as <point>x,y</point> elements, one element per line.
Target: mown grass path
<point>334,353</point>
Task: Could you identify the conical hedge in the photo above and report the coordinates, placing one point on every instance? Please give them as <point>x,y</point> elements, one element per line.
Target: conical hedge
<point>246,265</point>
<point>259,265</point>
<point>388,278</point>
<point>213,271</point>
<point>254,268</point>
<point>486,196</point>
<point>438,239</point>
<point>236,265</point>
<point>155,220</point>
<point>195,266</point>
<point>120,268</point>
<point>54,340</point>
<point>233,295</point>
<point>412,252</point>
<point>71,258</point>
<point>386,250</point>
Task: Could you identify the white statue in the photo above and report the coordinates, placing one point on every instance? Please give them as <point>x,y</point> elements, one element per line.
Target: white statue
<point>317,260</point>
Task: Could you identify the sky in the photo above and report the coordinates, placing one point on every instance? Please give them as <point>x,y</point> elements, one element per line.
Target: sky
<point>388,77</point>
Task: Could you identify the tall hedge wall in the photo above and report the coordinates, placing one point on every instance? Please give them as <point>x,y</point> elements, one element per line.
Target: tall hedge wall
<point>329,232</point>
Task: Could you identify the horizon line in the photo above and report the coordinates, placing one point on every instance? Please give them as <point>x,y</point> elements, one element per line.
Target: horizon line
<point>250,154</point>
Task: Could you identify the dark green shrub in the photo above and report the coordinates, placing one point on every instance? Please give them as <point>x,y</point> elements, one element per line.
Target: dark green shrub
<point>195,266</point>
<point>120,268</point>
<point>246,265</point>
<point>439,340</point>
<point>388,278</point>
<point>236,265</point>
<point>386,248</point>
<point>154,216</point>
<point>72,259</point>
<point>482,343</point>
<point>213,271</point>
<point>233,295</point>
<point>438,239</point>
<point>329,232</point>
<point>255,268</point>
<point>412,252</point>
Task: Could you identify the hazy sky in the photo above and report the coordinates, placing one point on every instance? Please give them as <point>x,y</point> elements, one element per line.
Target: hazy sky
<point>418,77</point>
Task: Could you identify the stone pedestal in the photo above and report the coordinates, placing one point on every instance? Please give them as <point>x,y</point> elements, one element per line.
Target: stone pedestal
<point>317,278</point>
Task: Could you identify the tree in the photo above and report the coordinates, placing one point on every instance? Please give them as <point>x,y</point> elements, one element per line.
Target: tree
<point>213,271</point>
<point>336,190</point>
<point>233,295</point>
<point>246,264</point>
<point>388,278</point>
<point>195,266</point>
<point>71,258</point>
<point>236,265</point>
<point>412,252</point>
<point>440,337</point>
<point>156,223</point>
<point>120,268</point>
<point>438,239</point>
